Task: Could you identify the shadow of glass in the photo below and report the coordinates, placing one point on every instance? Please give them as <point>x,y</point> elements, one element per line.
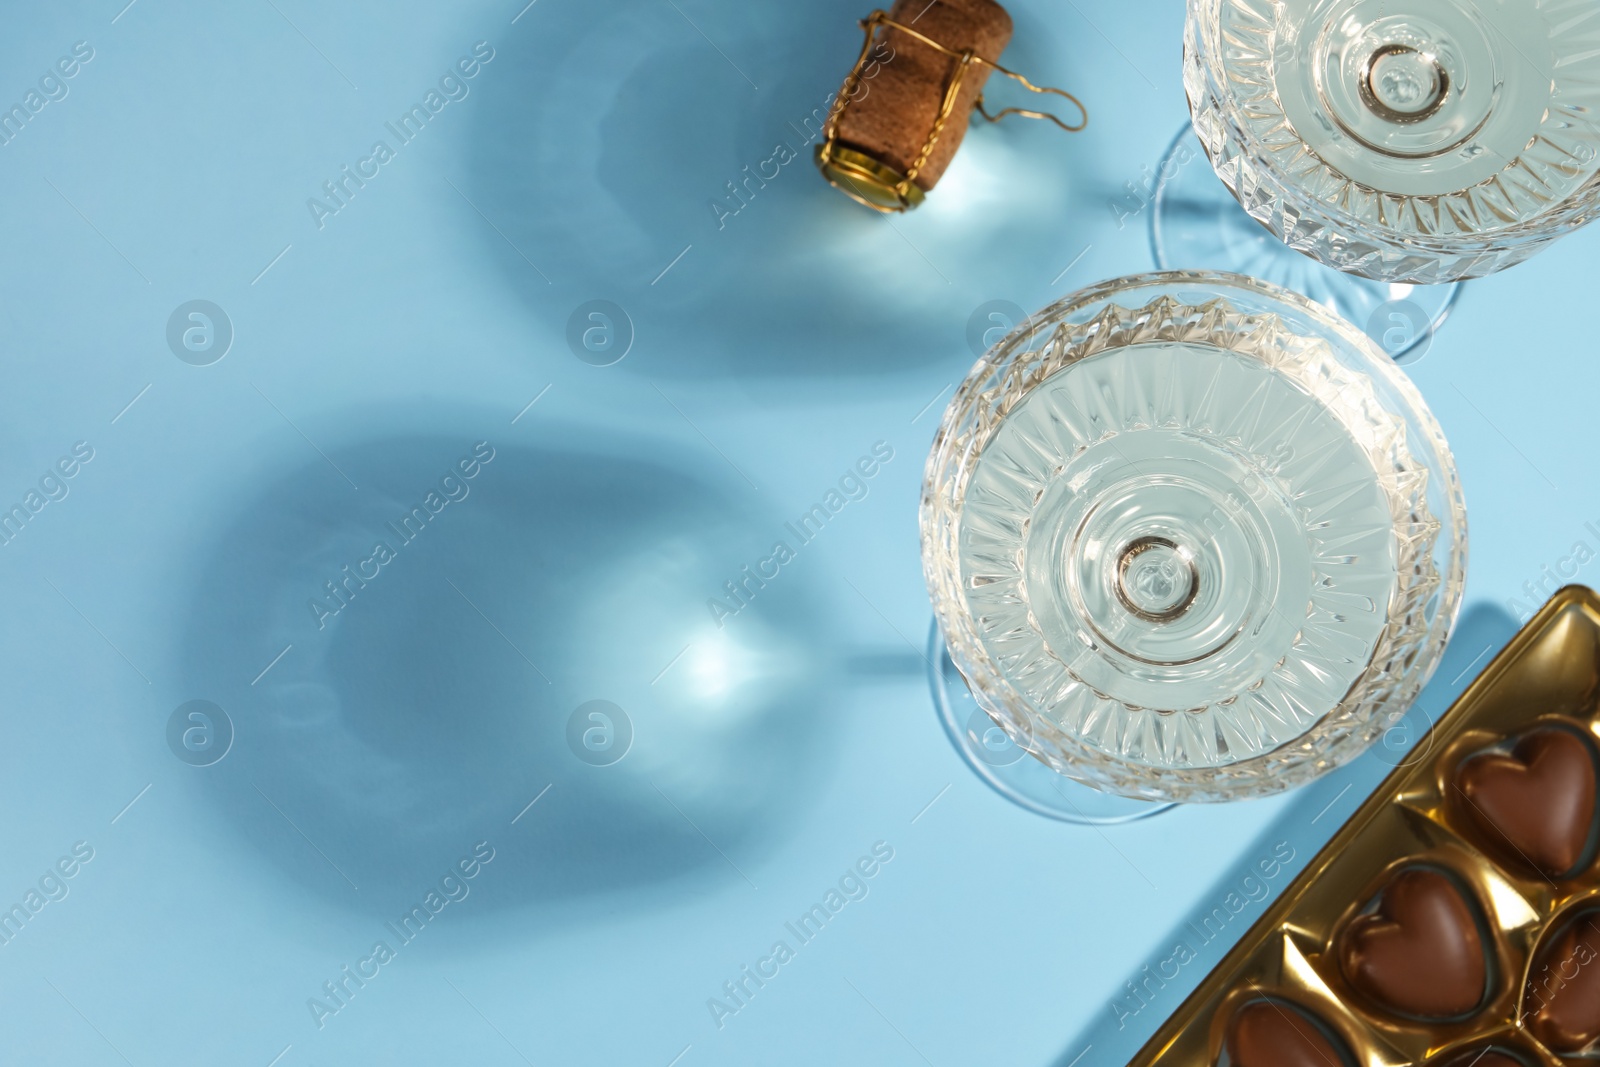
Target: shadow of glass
<point>614,140</point>
<point>427,698</point>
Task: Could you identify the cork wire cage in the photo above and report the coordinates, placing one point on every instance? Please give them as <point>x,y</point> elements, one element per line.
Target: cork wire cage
<point>873,176</point>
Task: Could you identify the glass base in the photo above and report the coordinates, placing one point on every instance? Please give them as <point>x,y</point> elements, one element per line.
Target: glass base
<point>1197,224</point>
<point>1007,767</point>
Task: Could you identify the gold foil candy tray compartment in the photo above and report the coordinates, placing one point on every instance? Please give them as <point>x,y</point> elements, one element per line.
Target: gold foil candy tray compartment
<point>1320,1013</point>
<point>1451,806</point>
<point>1553,967</point>
<point>1548,675</point>
<point>1504,921</point>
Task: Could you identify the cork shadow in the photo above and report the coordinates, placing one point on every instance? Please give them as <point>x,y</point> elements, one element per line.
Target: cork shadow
<point>666,165</point>
<point>426,696</point>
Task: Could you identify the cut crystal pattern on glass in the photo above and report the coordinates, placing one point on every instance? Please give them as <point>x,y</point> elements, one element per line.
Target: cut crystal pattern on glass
<point>1192,537</point>
<point>1422,141</point>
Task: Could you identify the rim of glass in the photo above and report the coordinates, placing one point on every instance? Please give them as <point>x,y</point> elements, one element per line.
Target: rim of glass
<point>1158,252</point>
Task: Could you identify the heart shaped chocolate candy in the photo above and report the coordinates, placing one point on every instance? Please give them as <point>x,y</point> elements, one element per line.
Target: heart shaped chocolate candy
<point>1563,996</point>
<point>1535,803</point>
<point>1269,1032</point>
<point>1420,953</point>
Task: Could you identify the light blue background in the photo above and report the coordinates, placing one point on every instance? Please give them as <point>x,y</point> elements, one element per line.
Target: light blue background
<point>424,317</point>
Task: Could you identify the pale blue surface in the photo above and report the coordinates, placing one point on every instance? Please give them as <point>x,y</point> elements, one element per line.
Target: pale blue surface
<point>773,354</point>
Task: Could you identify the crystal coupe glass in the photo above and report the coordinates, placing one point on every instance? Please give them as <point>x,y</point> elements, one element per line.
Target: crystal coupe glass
<point>1192,537</point>
<point>1419,141</point>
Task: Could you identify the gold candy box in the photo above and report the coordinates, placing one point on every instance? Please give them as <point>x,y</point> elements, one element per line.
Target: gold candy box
<point>1455,919</point>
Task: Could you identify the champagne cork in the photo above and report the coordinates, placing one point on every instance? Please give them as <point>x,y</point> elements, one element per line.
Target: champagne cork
<point>894,109</point>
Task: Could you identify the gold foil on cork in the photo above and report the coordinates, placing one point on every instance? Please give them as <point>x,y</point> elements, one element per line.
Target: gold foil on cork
<point>876,182</point>
<point>1549,675</point>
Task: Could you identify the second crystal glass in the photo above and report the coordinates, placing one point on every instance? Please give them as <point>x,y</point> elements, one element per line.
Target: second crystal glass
<point>1421,141</point>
